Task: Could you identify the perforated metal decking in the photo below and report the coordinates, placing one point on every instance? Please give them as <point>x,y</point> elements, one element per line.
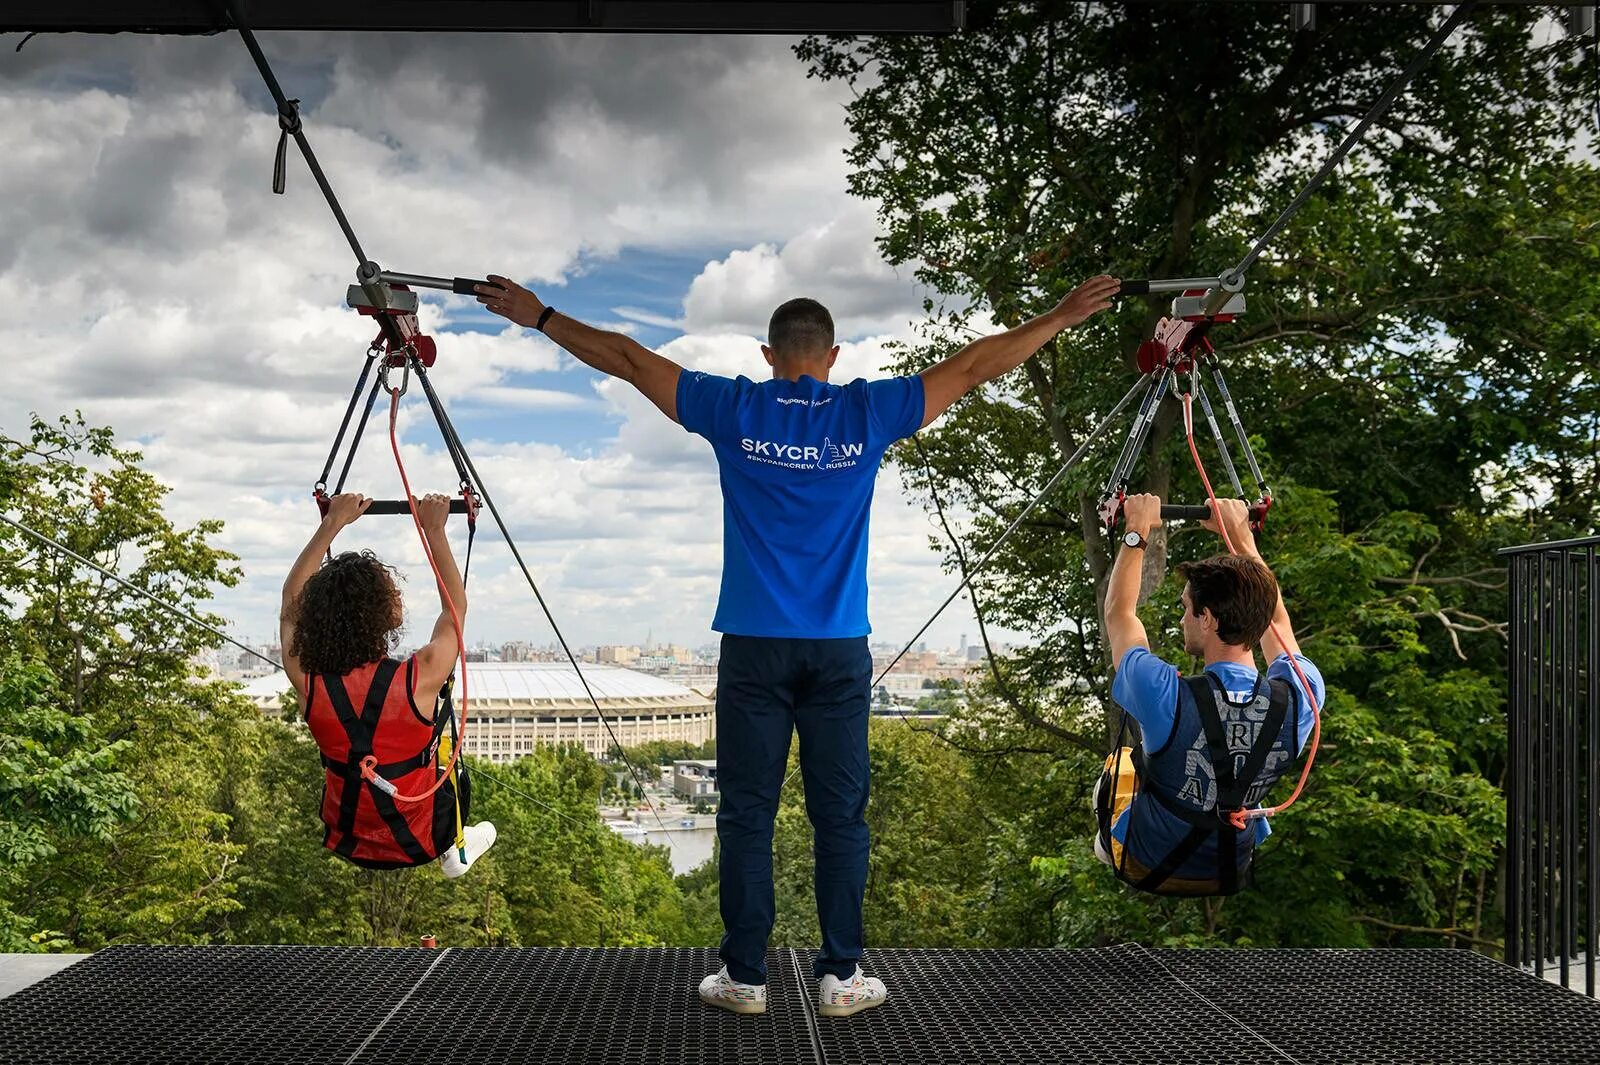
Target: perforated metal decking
<point>332,1004</point>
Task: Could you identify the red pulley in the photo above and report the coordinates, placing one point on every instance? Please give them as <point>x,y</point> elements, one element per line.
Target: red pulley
<point>1152,355</point>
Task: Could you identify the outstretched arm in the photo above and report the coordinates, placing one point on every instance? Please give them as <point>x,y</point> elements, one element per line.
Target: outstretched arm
<point>1124,630</point>
<point>342,510</point>
<point>436,661</point>
<point>616,354</point>
<point>1235,515</point>
<point>989,357</point>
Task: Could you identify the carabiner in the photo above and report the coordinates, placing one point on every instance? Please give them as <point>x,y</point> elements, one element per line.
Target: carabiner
<point>405,373</point>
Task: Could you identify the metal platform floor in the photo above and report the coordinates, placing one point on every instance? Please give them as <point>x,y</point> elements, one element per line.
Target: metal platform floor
<point>638,1007</point>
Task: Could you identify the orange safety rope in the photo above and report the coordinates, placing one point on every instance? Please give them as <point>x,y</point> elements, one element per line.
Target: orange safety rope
<point>1240,818</point>
<point>369,764</point>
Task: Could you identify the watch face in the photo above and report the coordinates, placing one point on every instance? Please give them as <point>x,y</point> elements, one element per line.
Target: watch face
<point>1132,539</point>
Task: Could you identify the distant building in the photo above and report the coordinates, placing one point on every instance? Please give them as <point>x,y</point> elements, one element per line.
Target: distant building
<point>695,780</point>
<point>898,683</point>
<point>515,706</point>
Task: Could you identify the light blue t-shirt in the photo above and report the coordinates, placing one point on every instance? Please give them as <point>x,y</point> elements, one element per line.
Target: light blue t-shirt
<point>1147,688</point>
<point>798,461</point>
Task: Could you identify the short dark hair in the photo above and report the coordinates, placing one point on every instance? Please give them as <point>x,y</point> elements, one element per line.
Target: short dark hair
<point>800,327</point>
<point>346,616</point>
<point>1241,593</point>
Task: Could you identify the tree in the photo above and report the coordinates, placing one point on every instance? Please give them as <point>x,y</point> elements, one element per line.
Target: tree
<point>1413,361</point>
<point>58,782</point>
<point>144,800</point>
<point>125,683</point>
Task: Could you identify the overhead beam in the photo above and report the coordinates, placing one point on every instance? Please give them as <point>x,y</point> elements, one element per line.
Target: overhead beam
<point>493,16</point>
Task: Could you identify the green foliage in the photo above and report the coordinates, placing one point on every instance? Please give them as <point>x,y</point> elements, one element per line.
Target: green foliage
<point>663,752</point>
<point>1413,364</point>
<point>58,782</point>
<point>143,801</point>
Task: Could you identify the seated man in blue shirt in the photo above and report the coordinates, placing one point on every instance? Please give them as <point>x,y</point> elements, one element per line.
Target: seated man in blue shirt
<point>1219,740</point>
<point>798,456</point>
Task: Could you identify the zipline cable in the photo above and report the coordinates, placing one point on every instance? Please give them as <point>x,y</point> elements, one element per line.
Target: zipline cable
<point>1016,522</point>
<point>966,579</point>
<point>1234,278</point>
<point>197,622</point>
<point>157,600</point>
<point>1377,111</point>
<point>449,429</point>
<point>291,126</point>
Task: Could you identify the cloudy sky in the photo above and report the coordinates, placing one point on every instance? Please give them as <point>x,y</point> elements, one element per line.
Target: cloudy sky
<point>676,188</point>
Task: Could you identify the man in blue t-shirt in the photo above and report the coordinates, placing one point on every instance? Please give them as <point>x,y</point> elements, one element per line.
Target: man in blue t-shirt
<point>1230,603</point>
<point>798,457</point>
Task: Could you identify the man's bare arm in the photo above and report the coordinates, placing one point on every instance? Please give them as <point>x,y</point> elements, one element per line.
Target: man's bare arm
<point>990,357</point>
<point>1124,630</point>
<point>1236,514</point>
<point>612,353</point>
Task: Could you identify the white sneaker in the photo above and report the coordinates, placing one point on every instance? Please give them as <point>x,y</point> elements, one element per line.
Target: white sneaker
<point>841,998</point>
<point>721,990</point>
<point>479,838</point>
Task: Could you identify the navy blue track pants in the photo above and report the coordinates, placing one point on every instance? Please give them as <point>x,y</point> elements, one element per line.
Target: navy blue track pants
<point>768,688</point>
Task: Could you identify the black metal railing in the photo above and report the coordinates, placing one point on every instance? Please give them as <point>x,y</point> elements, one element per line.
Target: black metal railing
<point>1552,885</point>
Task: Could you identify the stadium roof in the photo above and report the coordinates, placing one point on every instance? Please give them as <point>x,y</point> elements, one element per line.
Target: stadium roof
<point>556,682</point>
<point>628,16</point>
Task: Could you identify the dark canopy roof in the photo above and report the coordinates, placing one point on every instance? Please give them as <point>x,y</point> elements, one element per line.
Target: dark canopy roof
<point>637,16</point>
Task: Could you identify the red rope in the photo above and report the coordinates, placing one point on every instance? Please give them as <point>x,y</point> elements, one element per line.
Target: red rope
<point>369,764</point>
<point>1240,818</point>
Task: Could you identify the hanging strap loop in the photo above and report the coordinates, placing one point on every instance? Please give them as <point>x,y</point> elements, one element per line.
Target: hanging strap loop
<point>288,126</point>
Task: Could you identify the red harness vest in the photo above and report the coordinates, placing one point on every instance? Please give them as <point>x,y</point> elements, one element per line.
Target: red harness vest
<point>362,822</point>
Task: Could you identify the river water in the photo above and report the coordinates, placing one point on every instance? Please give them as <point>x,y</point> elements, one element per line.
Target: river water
<point>690,847</point>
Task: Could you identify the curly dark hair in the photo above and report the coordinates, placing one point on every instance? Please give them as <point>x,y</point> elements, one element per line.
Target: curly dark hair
<point>347,615</point>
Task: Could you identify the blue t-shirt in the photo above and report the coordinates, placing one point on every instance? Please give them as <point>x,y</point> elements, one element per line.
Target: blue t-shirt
<point>1147,688</point>
<point>798,461</point>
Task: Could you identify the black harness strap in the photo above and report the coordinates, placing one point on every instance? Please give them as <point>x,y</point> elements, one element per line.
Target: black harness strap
<point>358,729</point>
<point>1209,699</point>
<point>1232,787</point>
<point>360,746</point>
<point>1277,711</point>
<point>397,825</point>
<point>388,770</point>
<point>1174,859</point>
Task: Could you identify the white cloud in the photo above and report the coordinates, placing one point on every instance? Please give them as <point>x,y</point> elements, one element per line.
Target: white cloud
<point>151,279</point>
<point>834,262</point>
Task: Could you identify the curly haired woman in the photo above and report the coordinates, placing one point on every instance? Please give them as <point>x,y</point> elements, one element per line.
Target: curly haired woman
<point>338,625</point>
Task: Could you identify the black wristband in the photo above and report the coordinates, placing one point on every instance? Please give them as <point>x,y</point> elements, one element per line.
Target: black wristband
<point>543,318</point>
